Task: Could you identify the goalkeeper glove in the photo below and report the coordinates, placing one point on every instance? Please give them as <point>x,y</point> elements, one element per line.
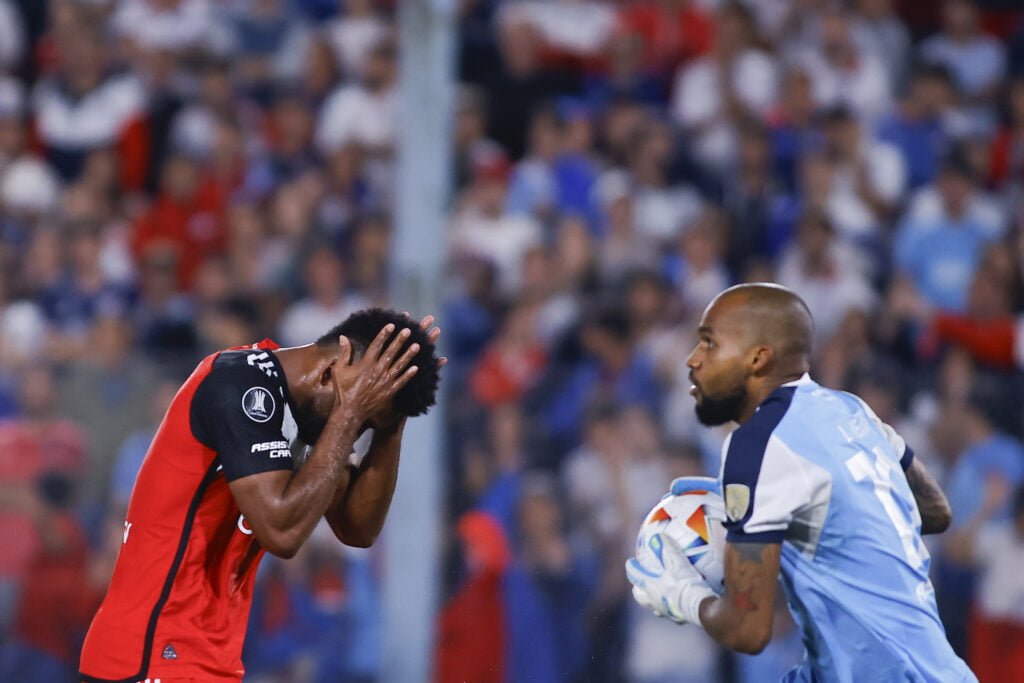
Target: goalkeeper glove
<point>681,485</point>
<point>676,589</point>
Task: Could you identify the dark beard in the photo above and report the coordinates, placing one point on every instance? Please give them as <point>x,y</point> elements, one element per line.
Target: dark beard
<point>717,410</point>
<point>309,422</point>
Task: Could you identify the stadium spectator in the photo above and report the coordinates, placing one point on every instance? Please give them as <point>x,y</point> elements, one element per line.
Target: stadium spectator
<point>626,77</point>
<point>662,209</point>
<point>484,229</point>
<point>713,95</point>
<point>868,172</point>
<point>989,451</point>
<point>532,184</point>
<point>105,391</point>
<point>37,440</point>
<point>59,594</point>
<point>363,113</point>
<point>72,302</point>
<point>987,330</point>
<point>943,234</point>
<point>995,548</point>
<point>371,252</point>
<point>186,220</point>
<point>270,44</point>
<point>29,191</point>
<point>289,145</point>
<point>750,199</point>
<point>84,107</point>
<point>13,133</point>
<point>354,33</point>
<point>622,249</point>
<point>699,266</point>
<point>824,273</point>
<point>792,124</point>
<point>175,25</point>
<point>464,650</point>
<point>327,298</point>
<point>843,72</point>
<point>472,314</point>
<point>512,362</point>
<point>1007,156</point>
<point>975,59</point>
<point>546,591</point>
<point>519,84</point>
<point>672,31</point>
<point>13,39</point>
<point>193,126</point>
<point>922,123</point>
<point>569,30</point>
<point>470,137</point>
<point>315,619</point>
<point>611,367</point>
<point>502,466</point>
<point>879,31</point>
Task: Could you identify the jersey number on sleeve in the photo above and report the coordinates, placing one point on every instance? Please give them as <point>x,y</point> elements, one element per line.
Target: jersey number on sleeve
<point>879,469</point>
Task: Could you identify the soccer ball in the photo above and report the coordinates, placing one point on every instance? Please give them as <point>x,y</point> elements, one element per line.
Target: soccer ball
<point>694,521</point>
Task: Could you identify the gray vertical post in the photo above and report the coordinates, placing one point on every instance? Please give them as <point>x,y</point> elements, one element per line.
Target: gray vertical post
<point>412,535</point>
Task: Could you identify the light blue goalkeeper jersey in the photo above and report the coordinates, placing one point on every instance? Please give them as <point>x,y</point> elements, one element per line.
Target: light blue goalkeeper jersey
<point>816,470</point>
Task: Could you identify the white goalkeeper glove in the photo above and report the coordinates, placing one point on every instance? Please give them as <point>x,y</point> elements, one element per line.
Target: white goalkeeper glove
<point>675,590</point>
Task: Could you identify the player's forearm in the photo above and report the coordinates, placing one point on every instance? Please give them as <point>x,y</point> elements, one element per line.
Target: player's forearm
<point>741,619</point>
<point>936,514</point>
<point>357,516</point>
<point>309,491</point>
<point>727,623</point>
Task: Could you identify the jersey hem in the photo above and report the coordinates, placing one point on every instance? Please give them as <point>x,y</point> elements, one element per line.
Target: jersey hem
<point>95,679</point>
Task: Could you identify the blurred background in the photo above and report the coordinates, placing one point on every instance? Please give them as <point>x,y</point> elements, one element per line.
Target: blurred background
<point>180,176</point>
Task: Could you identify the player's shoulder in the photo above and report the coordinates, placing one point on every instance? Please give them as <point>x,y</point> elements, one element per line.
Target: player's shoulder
<point>746,447</point>
<point>242,368</point>
<point>755,433</point>
<point>248,362</point>
<point>855,404</point>
<point>251,378</point>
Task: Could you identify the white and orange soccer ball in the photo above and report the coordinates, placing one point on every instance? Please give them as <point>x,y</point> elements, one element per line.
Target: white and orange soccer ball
<point>693,520</point>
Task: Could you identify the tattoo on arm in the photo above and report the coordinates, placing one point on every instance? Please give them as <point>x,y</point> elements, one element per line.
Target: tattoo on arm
<point>936,515</point>
<point>750,552</point>
<point>744,601</point>
<point>742,619</point>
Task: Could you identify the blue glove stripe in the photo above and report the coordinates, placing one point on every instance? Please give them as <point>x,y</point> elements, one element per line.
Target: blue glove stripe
<point>637,573</point>
<point>682,485</point>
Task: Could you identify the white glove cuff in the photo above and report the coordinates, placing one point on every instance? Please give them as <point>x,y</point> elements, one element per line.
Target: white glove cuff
<point>691,598</point>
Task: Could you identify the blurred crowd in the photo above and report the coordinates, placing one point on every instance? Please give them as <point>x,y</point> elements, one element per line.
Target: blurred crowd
<point>181,176</point>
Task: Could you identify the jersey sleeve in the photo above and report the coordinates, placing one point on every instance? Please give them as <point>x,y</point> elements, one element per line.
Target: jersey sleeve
<point>764,485</point>
<point>239,412</point>
<point>904,453</point>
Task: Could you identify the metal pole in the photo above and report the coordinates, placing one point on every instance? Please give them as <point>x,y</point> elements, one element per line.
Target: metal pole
<point>412,536</point>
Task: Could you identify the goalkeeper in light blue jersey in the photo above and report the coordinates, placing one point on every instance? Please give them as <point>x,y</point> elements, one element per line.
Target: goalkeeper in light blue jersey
<point>816,489</point>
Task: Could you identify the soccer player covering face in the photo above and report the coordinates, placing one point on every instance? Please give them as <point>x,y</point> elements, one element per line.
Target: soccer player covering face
<point>818,490</point>
<point>219,487</point>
